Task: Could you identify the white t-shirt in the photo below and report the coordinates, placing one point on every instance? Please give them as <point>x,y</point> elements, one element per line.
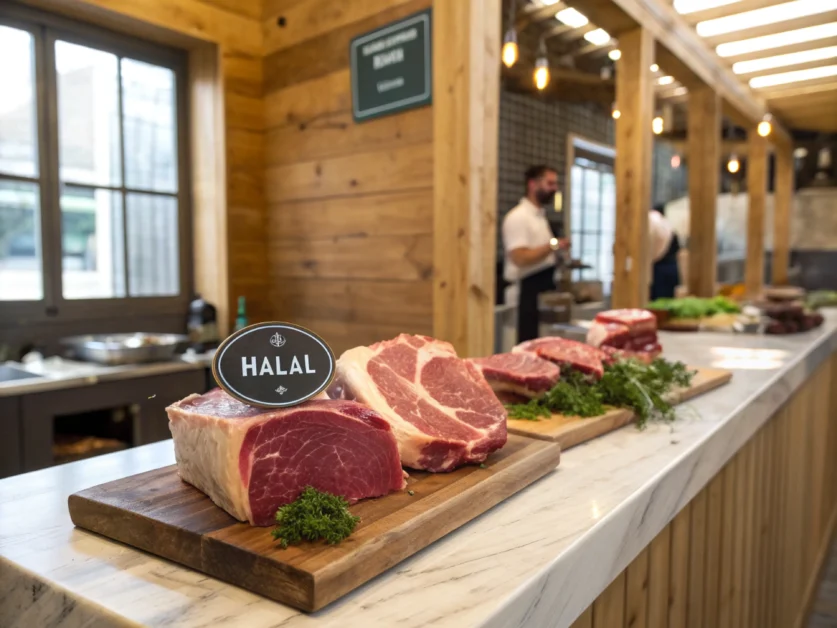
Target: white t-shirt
<point>661,233</point>
<point>525,226</point>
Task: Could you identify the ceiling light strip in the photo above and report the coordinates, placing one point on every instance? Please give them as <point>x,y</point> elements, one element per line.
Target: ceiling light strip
<point>692,6</point>
<point>783,61</point>
<point>783,78</point>
<point>764,16</point>
<point>777,40</point>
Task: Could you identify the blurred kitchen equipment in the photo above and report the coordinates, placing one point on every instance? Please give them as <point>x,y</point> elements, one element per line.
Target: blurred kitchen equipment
<point>587,291</point>
<point>202,325</point>
<point>115,349</point>
<point>241,318</point>
<point>555,307</point>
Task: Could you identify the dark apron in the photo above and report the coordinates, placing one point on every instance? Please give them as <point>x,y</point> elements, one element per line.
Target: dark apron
<point>666,273</point>
<point>527,309</point>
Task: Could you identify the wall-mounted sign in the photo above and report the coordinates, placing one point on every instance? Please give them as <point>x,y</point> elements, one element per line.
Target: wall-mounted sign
<point>273,365</point>
<point>391,68</point>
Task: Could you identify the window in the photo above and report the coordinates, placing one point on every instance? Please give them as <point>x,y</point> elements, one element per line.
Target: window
<point>593,219</point>
<point>93,196</point>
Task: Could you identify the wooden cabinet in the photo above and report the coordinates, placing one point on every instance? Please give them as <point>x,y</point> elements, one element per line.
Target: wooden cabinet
<point>10,454</point>
<point>142,400</point>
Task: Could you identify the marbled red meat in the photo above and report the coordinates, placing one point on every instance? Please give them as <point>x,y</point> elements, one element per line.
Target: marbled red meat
<point>442,411</point>
<point>631,331</point>
<point>567,354</point>
<point>521,374</point>
<point>250,460</point>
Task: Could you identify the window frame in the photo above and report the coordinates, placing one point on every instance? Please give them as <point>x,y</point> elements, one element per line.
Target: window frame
<point>46,29</point>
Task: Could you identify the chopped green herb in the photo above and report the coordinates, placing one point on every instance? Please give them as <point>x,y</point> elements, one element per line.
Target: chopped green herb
<point>314,515</point>
<point>628,384</point>
<point>411,493</point>
<point>482,465</point>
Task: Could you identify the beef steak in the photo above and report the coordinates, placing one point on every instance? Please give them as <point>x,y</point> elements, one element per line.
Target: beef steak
<point>442,411</point>
<point>567,353</point>
<point>519,373</point>
<point>250,460</point>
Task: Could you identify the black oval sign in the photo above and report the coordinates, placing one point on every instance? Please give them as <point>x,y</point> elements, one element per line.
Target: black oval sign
<point>273,365</point>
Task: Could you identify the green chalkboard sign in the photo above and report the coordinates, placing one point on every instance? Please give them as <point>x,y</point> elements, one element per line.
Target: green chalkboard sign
<point>391,68</point>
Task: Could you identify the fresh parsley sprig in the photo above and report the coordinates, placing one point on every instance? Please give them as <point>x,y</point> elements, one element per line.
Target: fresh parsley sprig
<point>313,516</point>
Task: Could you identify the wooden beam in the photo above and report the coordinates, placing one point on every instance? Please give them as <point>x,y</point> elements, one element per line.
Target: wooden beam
<point>757,191</point>
<point>634,98</point>
<point>704,172</point>
<point>782,208</point>
<point>533,13</point>
<point>466,94</point>
<point>771,29</point>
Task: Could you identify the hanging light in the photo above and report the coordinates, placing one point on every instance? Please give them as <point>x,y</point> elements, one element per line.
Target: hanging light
<point>657,125</point>
<point>615,54</point>
<point>510,49</point>
<point>733,165</point>
<point>655,67</point>
<point>541,67</point>
<point>675,161</point>
<point>511,52</point>
<point>615,112</point>
<point>765,127</point>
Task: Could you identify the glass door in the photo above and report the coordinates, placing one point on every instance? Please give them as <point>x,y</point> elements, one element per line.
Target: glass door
<point>593,220</point>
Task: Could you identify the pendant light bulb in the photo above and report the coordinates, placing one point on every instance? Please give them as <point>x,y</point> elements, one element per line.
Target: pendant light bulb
<point>510,50</point>
<point>615,54</point>
<point>765,127</point>
<point>615,113</point>
<point>733,165</point>
<point>541,73</point>
<point>657,125</point>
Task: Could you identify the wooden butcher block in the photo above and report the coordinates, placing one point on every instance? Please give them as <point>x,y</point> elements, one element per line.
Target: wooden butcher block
<point>159,513</point>
<point>570,431</point>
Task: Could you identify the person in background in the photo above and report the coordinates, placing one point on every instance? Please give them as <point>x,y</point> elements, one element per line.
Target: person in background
<point>530,246</point>
<point>665,273</point>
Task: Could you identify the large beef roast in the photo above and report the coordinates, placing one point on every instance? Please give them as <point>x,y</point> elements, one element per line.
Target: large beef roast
<point>440,407</point>
<point>627,333</point>
<point>567,353</point>
<point>521,374</point>
<point>250,460</point>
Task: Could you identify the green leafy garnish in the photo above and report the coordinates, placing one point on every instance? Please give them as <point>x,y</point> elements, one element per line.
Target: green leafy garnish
<point>313,516</point>
<point>695,307</point>
<point>629,384</point>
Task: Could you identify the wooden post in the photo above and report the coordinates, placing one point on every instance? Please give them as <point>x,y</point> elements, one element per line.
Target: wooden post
<point>757,191</point>
<point>466,93</point>
<point>704,164</point>
<point>783,203</point>
<point>634,98</point>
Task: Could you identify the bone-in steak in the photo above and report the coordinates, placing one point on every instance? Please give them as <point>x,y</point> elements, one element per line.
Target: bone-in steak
<point>250,461</point>
<point>567,353</point>
<point>519,373</point>
<point>441,409</point>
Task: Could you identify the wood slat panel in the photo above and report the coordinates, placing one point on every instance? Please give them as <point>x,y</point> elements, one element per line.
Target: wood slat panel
<point>585,620</point>
<point>309,100</point>
<point>678,595</point>
<point>636,591</point>
<point>609,608</point>
<point>242,73</point>
<point>244,112</point>
<point>783,203</point>
<point>395,257</point>
<point>757,189</point>
<point>329,51</point>
<point>377,171</point>
<point>697,561</point>
<point>714,519</point>
<point>726,582</point>
<point>385,214</point>
<point>659,570</point>
<point>371,302</point>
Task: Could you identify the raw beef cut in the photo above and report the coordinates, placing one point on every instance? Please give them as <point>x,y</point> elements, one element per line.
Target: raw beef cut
<point>567,353</point>
<point>519,373</point>
<point>646,355</point>
<point>631,330</point>
<point>250,460</point>
<point>442,411</point>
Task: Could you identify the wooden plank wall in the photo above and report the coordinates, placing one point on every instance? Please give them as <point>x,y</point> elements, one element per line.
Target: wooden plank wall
<point>224,37</point>
<point>349,206</point>
<point>747,551</point>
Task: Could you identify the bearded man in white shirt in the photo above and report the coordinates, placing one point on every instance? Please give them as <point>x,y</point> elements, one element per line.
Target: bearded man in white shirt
<point>530,247</point>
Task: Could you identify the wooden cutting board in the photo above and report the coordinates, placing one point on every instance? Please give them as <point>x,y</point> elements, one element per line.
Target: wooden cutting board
<point>158,513</point>
<point>572,431</point>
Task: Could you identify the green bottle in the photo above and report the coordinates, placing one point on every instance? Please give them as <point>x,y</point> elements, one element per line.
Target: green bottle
<point>241,318</point>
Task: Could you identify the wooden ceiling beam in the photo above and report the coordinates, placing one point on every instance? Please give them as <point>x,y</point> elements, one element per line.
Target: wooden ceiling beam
<point>772,29</point>
<point>729,9</point>
<point>532,13</point>
<point>689,58</point>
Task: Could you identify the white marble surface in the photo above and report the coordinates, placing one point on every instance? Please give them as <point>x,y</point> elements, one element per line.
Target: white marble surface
<point>58,373</point>
<point>538,559</point>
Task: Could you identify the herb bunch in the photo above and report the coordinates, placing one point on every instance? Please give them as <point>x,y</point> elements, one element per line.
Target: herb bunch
<point>629,384</point>
<point>313,516</point>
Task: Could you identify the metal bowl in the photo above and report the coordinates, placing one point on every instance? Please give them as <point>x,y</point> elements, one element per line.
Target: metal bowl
<point>115,349</point>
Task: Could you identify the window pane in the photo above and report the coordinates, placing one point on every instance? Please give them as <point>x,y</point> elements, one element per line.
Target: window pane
<point>576,196</point>
<point>148,105</point>
<point>88,115</point>
<point>20,242</point>
<point>92,243</point>
<point>153,262</point>
<point>18,118</point>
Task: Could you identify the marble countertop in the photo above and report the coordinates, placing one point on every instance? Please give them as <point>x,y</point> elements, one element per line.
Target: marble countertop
<point>538,559</point>
<point>56,373</point>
